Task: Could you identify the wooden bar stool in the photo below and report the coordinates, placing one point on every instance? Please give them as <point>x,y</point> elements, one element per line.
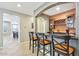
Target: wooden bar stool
<point>64,48</point>
<point>33,41</point>
<point>42,41</point>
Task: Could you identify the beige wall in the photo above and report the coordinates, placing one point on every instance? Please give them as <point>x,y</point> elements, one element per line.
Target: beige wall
<point>25,24</point>
<point>25,27</point>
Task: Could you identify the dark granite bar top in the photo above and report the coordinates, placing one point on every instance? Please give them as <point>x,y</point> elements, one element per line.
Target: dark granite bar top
<point>62,35</point>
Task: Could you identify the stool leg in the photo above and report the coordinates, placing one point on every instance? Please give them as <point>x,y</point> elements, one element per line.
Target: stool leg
<point>43,50</point>
<point>30,44</point>
<point>73,54</point>
<point>38,49</point>
<point>46,37</point>
<point>35,43</point>
<point>33,47</point>
<point>50,50</point>
<point>58,54</point>
<point>53,52</point>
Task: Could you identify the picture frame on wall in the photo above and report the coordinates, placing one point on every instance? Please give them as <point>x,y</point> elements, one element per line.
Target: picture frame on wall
<point>32,25</point>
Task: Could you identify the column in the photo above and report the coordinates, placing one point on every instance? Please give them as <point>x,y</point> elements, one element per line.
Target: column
<point>1,30</point>
<point>77,25</point>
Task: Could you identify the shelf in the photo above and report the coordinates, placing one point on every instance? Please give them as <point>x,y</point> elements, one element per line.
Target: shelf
<point>72,28</point>
<point>60,24</point>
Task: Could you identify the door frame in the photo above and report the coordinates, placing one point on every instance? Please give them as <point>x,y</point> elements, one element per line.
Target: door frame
<point>11,24</point>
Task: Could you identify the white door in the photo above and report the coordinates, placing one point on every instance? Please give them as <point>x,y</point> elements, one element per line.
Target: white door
<point>6,28</point>
<point>40,24</point>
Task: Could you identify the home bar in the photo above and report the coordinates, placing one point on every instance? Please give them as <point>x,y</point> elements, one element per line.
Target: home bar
<point>60,37</point>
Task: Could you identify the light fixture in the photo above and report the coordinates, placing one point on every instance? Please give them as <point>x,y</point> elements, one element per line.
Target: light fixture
<point>18,5</point>
<point>51,24</point>
<point>58,8</point>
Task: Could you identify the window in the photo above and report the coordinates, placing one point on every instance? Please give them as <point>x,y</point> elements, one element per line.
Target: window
<point>5,26</point>
<point>70,21</point>
<point>15,27</point>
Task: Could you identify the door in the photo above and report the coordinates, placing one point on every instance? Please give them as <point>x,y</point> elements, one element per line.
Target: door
<point>6,28</point>
<point>40,24</point>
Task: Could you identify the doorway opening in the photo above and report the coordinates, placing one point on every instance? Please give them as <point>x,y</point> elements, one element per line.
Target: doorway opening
<point>11,29</point>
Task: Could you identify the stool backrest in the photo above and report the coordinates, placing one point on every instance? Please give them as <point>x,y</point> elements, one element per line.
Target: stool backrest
<point>40,36</point>
<point>67,38</point>
<point>31,35</point>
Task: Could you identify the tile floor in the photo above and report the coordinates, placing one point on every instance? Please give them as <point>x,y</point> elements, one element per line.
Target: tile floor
<point>12,47</point>
<point>17,49</point>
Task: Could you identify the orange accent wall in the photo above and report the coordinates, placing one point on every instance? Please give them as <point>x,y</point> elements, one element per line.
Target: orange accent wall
<point>63,15</point>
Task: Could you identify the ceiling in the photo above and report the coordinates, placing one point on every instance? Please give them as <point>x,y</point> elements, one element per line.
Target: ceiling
<point>29,7</point>
<point>26,8</point>
<point>59,9</point>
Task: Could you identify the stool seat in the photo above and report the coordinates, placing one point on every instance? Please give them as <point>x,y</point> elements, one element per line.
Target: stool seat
<point>34,38</point>
<point>46,34</point>
<point>45,42</point>
<point>62,50</point>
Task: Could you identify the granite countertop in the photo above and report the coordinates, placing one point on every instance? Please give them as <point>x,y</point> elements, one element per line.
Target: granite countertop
<point>61,36</point>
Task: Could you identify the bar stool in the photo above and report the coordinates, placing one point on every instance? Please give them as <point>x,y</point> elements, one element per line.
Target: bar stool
<point>64,48</point>
<point>43,42</point>
<point>47,34</point>
<point>33,39</point>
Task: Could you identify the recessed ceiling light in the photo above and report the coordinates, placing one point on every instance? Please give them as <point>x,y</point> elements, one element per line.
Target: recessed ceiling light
<point>58,8</point>
<point>18,5</point>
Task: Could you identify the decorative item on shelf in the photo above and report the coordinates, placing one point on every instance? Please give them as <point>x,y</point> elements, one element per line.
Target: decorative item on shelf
<point>70,22</point>
<point>67,31</point>
<point>51,25</point>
